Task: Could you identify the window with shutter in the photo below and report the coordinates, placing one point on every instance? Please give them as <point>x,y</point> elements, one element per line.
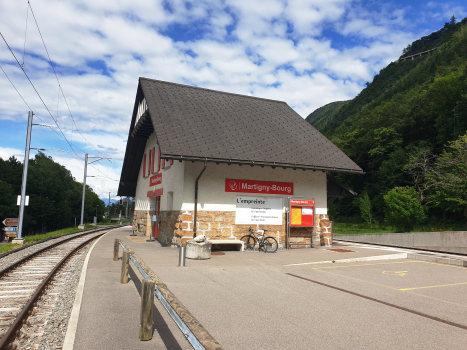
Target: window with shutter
<point>153,156</point>
<point>158,160</point>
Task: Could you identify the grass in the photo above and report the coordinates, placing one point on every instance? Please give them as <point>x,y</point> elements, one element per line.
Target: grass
<point>342,228</point>
<point>41,237</point>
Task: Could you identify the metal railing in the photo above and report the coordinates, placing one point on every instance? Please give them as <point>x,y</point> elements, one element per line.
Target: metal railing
<point>194,332</point>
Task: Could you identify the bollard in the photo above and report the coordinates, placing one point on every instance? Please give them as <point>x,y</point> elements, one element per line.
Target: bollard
<point>181,256</point>
<point>125,267</point>
<point>116,245</point>
<point>147,309</point>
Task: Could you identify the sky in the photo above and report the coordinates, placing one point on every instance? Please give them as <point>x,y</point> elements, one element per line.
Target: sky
<point>83,59</point>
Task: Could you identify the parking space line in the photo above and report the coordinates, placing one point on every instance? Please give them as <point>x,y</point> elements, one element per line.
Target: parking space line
<point>382,285</point>
<point>383,302</point>
<point>441,285</point>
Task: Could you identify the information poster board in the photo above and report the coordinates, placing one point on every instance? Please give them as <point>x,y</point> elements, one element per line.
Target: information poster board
<point>258,210</point>
<point>302,213</point>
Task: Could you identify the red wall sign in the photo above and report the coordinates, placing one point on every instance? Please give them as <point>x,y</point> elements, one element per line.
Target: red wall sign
<point>256,186</point>
<point>155,180</point>
<point>302,213</point>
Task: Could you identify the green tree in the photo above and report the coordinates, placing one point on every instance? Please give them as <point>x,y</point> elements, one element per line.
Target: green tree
<point>449,178</point>
<point>404,210</point>
<point>364,204</point>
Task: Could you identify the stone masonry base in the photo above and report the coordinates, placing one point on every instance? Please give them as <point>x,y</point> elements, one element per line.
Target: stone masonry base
<point>177,227</point>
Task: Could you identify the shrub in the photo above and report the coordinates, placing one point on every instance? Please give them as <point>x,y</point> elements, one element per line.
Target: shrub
<point>404,210</point>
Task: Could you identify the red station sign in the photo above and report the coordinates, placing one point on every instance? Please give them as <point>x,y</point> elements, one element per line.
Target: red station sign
<point>302,213</point>
<point>256,186</point>
<point>155,180</point>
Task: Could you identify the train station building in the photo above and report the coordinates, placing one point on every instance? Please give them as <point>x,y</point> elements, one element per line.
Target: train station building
<point>241,159</point>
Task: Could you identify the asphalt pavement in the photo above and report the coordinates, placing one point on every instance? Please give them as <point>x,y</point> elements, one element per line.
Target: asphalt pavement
<point>349,296</point>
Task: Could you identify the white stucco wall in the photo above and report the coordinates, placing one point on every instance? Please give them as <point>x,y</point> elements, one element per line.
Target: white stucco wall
<point>172,181</point>
<point>180,177</point>
<point>211,186</point>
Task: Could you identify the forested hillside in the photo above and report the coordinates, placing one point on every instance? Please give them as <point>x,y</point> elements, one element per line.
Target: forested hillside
<point>407,129</point>
<point>322,115</point>
<point>54,195</point>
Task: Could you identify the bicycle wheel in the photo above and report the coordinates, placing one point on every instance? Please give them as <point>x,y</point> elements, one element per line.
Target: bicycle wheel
<point>269,245</point>
<point>248,242</point>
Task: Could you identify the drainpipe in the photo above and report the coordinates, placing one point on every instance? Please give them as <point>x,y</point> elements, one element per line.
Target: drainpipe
<point>196,199</point>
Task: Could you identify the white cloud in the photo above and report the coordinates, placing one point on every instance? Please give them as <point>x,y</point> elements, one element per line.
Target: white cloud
<point>7,152</point>
<point>304,52</point>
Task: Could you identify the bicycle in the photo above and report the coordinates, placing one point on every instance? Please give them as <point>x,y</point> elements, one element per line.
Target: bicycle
<point>267,244</point>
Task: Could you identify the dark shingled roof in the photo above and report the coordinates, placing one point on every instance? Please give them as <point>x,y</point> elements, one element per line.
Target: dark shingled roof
<point>194,123</point>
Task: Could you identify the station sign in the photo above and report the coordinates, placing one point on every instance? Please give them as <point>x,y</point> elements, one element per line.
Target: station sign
<point>302,213</point>
<point>155,180</point>
<point>257,186</point>
<point>10,222</point>
<point>10,229</point>
<point>258,210</point>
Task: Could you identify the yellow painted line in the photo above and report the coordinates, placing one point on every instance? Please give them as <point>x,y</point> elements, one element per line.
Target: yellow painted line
<point>357,279</point>
<point>442,300</point>
<point>441,285</point>
<point>382,285</point>
<point>439,264</point>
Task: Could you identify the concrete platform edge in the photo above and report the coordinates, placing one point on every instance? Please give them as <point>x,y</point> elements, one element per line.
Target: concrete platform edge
<point>439,260</point>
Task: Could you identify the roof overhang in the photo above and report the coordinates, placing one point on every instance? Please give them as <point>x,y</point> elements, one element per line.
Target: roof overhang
<point>261,164</point>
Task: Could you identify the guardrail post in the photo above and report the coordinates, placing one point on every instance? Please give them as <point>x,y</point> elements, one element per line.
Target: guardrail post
<point>116,246</point>
<point>147,309</point>
<point>125,267</point>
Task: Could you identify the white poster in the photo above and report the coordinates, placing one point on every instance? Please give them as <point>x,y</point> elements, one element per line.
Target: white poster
<point>258,210</point>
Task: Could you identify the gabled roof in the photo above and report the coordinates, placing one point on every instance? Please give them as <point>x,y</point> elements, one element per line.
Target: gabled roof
<point>199,124</point>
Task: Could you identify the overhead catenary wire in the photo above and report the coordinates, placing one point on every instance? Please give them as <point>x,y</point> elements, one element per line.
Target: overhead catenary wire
<point>58,82</point>
<point>15,87</point>
<point>37,92</point>
<point>61,134</point>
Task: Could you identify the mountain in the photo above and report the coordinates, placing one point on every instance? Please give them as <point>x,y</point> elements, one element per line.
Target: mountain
<point>320,117</point>
<point>418,103</point>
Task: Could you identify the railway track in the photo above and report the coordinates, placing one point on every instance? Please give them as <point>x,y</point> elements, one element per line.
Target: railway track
<point>24,282</point>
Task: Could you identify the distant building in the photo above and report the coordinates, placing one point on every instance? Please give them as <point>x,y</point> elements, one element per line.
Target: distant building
<point>241,148</point>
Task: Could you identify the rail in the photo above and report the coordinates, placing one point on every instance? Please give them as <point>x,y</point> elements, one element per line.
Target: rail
<point>194,332</point>
<point>10,334</point>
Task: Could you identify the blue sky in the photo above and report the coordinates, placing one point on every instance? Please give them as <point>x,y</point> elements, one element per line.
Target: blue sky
<point>305,52</point>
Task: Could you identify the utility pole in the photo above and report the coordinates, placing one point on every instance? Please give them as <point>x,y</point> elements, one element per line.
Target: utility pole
<point>126,209</point>
<point>84,190</point>
<point>19,238</point>
<point>84,184</point>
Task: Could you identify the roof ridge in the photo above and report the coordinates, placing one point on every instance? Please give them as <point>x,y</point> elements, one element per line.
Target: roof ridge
<point>211,90</point>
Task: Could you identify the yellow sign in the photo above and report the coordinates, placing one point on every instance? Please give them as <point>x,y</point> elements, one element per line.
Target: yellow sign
<point>296,216</point>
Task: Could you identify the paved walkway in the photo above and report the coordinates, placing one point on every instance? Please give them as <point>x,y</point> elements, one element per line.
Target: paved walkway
<point>296,299</point>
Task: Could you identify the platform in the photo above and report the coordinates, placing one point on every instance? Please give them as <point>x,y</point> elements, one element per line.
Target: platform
<point>292,299</point>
